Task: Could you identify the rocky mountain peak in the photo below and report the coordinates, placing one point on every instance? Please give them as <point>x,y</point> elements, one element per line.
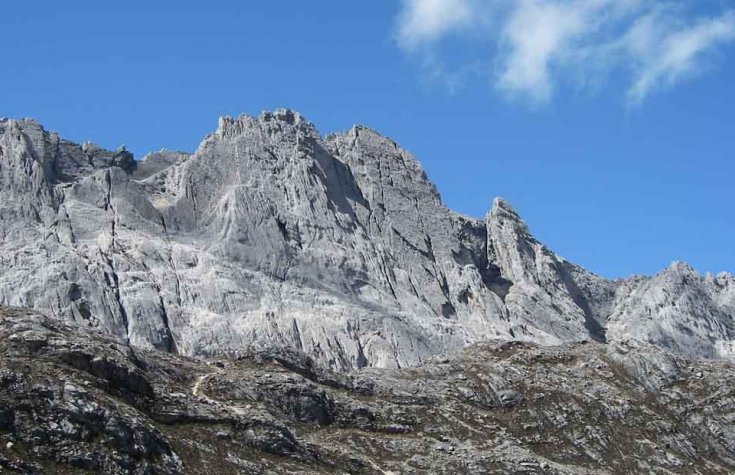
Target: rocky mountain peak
<point>7,124</point>
<point>504,214</point>
<point>270,123</point>
<point>500,204</point>
<point>377,160</point>
<point>369,133</point>
<point>269,235</point>
<point>725,279</point>
<point>682,268</point>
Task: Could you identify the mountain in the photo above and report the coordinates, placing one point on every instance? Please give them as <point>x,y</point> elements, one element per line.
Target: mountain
<point>77,401</point>
<point>338,246</point>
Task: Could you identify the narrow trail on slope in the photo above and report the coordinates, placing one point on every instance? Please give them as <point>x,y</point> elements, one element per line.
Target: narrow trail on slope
<point>196,391</point>
<point>197,388</point>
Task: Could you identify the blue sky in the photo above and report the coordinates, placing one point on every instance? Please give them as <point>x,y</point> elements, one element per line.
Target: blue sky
<point>609,125</point>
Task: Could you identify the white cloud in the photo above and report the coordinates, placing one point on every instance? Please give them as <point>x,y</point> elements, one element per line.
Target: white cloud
<point>536,44</point>
<point>425,21</point>
<point>537,34</point>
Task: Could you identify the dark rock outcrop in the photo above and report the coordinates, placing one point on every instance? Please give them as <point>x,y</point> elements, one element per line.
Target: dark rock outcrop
<point>507,407</point>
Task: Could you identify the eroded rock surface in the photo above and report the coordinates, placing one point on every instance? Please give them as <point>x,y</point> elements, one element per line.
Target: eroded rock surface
<point>272,235</point>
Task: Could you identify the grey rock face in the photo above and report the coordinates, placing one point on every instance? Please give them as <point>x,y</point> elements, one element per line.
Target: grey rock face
<point>270,234</point>
<point>73,400</point>
<point>681,310</point>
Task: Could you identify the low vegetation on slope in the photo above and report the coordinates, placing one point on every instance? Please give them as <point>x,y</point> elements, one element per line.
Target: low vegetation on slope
<point>75,401</point>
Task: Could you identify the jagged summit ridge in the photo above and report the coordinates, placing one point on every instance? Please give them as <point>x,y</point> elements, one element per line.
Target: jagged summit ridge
<point>338,245</point>
<point>232,126</point>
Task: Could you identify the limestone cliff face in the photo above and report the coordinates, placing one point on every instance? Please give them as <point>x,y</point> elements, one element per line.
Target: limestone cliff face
<point>340,246</point>
<point>680,310</point>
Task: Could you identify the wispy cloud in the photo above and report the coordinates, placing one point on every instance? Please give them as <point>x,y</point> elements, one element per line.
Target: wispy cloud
<point>537,44</point>
<point>666,55</point>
